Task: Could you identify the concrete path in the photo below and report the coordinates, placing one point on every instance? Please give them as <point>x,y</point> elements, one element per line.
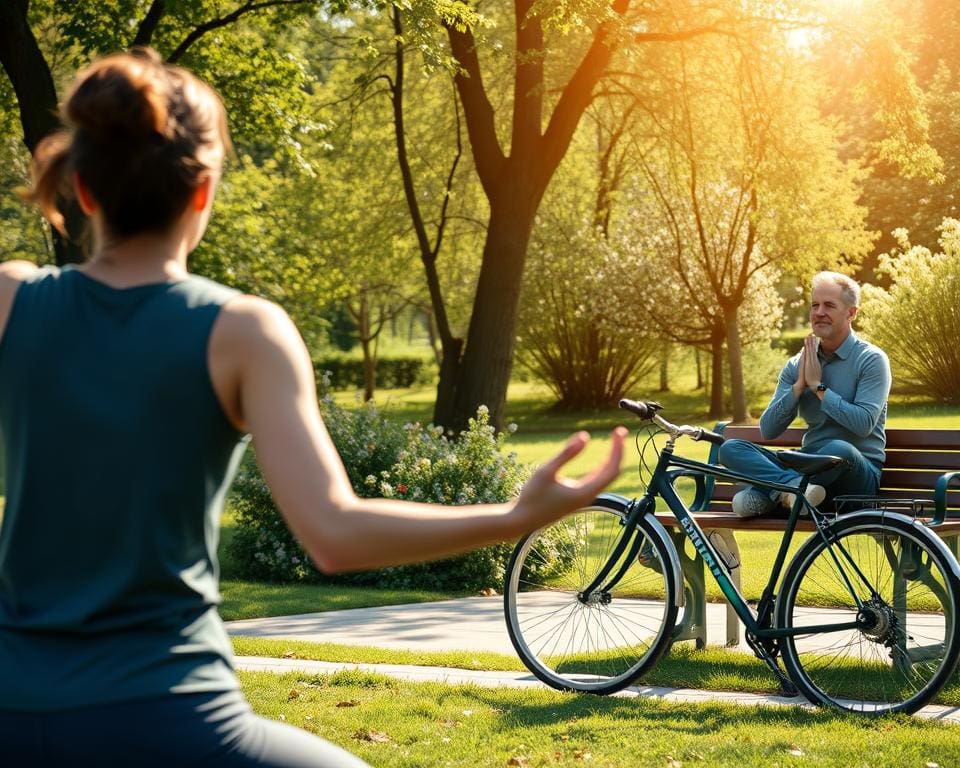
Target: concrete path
<point>473,623</point>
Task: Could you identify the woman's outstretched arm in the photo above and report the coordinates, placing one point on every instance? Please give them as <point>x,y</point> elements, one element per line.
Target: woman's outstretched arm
<point>263,375</point>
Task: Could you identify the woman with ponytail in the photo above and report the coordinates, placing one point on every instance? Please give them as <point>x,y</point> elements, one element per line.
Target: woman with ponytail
<point>126,387</point>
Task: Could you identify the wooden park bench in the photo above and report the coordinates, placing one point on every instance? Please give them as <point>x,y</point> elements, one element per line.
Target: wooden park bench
<point>921,476</point>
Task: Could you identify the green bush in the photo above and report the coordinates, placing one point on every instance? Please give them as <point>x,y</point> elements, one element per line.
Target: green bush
<point>384,459</point>
<point>392,372</point>
<point>917,320</point>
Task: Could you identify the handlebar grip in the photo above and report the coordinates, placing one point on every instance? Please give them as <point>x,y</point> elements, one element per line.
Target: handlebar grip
<point>642,410</point>
<point>711,437</point>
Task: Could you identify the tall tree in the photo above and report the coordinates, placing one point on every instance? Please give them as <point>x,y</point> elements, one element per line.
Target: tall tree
<point>82,30</point>
<point>515,167</point>
<point>746,179</point>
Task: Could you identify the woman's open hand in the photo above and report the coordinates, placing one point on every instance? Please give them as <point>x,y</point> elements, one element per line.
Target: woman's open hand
<point>546,496</point>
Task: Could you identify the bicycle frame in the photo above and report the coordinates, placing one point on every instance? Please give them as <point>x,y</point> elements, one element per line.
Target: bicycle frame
<point>669,468</point>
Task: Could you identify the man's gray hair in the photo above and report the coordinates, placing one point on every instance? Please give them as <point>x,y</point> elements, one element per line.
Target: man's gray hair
<point>849,287</point>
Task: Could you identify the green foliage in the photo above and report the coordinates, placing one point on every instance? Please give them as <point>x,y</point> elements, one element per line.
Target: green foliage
<point>917,319</point>
<point>392,372</point>
<point>384,459</point>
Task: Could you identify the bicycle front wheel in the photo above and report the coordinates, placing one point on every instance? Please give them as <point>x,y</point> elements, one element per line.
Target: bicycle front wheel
<point>600,642</point>
<point>904,647</point>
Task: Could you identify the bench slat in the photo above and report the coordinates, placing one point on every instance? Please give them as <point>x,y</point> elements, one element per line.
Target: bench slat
<point>708,520</point>
<point>912,439</point>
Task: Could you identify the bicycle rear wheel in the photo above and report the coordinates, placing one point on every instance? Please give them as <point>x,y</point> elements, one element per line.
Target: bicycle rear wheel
<point>905,647</point>
<point>596,643</point>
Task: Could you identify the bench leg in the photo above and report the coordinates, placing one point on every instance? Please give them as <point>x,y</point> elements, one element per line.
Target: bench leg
<point>694,624</point>
<point>953,544</point>
<point>730,551</point>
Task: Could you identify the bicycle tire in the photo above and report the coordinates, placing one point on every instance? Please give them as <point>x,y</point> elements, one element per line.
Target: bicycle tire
<point>911,648</point>
<point>601,644</point>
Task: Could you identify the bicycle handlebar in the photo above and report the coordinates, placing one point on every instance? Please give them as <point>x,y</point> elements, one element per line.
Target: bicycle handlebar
<point>643,410</point>
<point>648,410</point>
<point>711,437</point>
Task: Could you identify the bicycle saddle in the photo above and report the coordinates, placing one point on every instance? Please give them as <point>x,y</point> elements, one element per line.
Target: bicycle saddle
<point>807,463</point>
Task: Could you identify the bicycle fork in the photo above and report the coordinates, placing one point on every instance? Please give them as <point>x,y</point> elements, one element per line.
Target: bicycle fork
<point>631,537</point>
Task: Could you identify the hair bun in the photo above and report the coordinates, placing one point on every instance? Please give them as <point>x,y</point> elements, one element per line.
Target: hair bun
<point>121,97</point>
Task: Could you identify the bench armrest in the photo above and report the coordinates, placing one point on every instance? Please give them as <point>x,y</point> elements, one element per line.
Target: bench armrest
<point>704,491</point>
<point>940,496</point>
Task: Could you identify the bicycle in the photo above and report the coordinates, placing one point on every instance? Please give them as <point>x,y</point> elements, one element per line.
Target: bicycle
<point>865,619</point>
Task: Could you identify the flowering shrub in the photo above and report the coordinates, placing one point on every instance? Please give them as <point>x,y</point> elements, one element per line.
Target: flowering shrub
<point>384,459</point>
<point>916,320</point>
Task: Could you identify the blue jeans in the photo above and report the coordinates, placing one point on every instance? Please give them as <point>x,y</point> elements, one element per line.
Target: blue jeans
<point>855,476</point>
<point>215,730</point>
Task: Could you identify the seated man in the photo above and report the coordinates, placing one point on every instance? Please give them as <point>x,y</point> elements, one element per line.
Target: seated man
<point>840,385</point>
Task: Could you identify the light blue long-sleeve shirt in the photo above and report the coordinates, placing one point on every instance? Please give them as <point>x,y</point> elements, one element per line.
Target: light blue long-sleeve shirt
<point>854,408</point>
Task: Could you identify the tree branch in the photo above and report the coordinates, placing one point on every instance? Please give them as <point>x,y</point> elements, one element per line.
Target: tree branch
<point>23,61</point>
<point>578,94</point>
<point>527,81</point>
<point>681,35</point>
<point>223,21</point>
<point>149,24</point>
<point>477,109</point>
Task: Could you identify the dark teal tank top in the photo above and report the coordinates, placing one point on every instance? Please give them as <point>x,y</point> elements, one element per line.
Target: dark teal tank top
<point>118,458</point>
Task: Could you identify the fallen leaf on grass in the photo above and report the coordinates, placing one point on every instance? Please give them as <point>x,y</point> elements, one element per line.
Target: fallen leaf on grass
<point>290,655</point>
<point>349,703</point>
<point>451,723</point>
<point>582,754</point>
<point>376,736</point>
<point>518,760</point>
<point>293,694</point>
<point>932,764</point>
<point>796,752</point>
<point>488,592</point>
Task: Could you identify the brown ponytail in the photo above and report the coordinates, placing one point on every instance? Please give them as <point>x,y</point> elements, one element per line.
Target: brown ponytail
<point>142,135</point>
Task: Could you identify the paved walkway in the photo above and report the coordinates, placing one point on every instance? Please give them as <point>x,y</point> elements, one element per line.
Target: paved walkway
<point>473,623</point>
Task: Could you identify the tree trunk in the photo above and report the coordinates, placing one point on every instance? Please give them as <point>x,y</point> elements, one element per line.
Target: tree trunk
<point>717,410</point>
<point>664,368</point>
<point>444,406</point>
<point>367,342</point>
<point>32,82</point>
<point>484,371</point>
<point>696,360</point>
<point>738,394</point>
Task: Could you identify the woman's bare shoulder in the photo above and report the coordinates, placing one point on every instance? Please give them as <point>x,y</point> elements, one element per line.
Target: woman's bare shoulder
<point>251,326</point>
<point>252,317</point>
<point>12,274</point>
<point>17,270</point>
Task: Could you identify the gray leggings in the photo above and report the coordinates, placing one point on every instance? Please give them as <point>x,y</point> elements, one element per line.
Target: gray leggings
<point>215,729</point>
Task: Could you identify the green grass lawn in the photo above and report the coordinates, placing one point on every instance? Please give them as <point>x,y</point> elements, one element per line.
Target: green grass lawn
<point>711,669</point>
<point>393,723</point>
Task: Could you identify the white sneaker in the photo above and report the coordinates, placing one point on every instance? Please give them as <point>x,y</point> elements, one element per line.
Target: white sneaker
<point>814,494</point>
